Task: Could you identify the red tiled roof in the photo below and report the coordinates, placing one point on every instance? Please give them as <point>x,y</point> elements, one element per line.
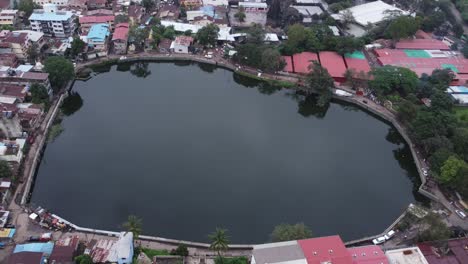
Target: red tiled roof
<point>289,64</point>
<point>121,32</point>
<point>15,37</point>
<point>322,249</point>
<point>333,62</point>
<point>357,65</point>
<point>12,90</point>
<point>422,44</point>
<point>368,255</point>
<point>183,40</point>
<point>303,60</point>
<point>96,19</point>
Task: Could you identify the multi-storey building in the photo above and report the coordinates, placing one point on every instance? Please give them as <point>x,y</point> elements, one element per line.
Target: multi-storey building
<point>52,22</point>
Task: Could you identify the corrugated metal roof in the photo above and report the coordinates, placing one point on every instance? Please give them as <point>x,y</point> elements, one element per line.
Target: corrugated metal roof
<point>322,249</point>
<point>333,62</point>
<point>422,44</point>
<point>303,60</point>
<point>278,252</point>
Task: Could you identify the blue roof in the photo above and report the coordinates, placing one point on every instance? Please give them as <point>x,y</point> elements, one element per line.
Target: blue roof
<point>98,32</point>
<point>45,248</point>
<point>51,16</point>
<point>208,10</point>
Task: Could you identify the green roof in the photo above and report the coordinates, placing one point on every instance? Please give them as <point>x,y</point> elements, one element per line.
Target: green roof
<point>356,55</point>
<point>450,67</point>
<point>417,54</point>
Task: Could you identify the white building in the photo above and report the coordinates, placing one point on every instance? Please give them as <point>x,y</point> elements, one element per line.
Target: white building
<point>12,151</point>
<point>8,17</point>
<point>410,255</point>
<point>278,253</point>
<point>53,22</point>
<point>216,2</point>
<point>34,37</point>
<point>181,44</point>
<point>54,2</point>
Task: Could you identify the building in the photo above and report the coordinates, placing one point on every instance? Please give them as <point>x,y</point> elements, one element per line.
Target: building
<point>34,37</point>
<point>334,63</point>
<point>13,91</point>
<point>165,46</point>
<point>135,13</point>
<point>12,151</point>
<point>98,36</point>
<point>169,12</point>
<point>275,253</point>
<point>9,17</point>
<point>26,258</point>
<point>19,43</point>
<point>87,21</point>
<point>53,23</point>
<point>181,44</point>
<point>329,249</point>
<point>105,251</point>
<point>357,62</point>
<point>216,2</point>
<point>191,4</point>
<point>24,78</point>
<point>302,61</point>
<point>421,44</point>
<point>368,255</point>
<point>8,59</point>
<point>100,12</point>
<point>44,248</point>
<point>120,38</point>
<point>454,251</point>
<point>410,255</point>
<point>54,2</point>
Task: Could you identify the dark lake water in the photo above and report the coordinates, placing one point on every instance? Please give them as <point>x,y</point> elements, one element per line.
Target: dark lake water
<point>189,148</point>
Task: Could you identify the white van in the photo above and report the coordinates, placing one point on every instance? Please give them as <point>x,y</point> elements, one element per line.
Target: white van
<point>389,235</point>
<point>378,240</point>
<point>461,214</point>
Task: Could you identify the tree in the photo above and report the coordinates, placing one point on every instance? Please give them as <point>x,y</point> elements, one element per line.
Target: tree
<point>32,52</point>
<point>440,101</point>
<point>256,34</point>
<point>429,124</point>
<point>169,32</point>
<point>5,170</point>
<point>120,19</point>
<point>272,60</point>
<point>83,259</point>
<point>460,142</point>
<point>77,46</point>
<point>208,35</point>
<point>219,241</point>
<point>137,36</point>
<point>134,225</point>
<point>240,15</point>
<point>402,27</point>
<point>320,81</point>
<point>181,250</point>
<point>60,71</point>
<point>390,79</point>
<point>407,111</point>
<point>27,6</point>
<point>433,229</point>
<point>347,18</point>
<point>438,158</point>
<point>188,33</point>
<point>465,51</point>
<point>450,170</point>
<point>148,4</point>
<point>287,232</point>
<point>39,93</point>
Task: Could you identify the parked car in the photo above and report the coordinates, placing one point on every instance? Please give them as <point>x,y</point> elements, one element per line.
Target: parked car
<point>45,237</point>
<point>379,240</point>
<point>461,214</point>
<point>2,245</point>
<point>389,235</point>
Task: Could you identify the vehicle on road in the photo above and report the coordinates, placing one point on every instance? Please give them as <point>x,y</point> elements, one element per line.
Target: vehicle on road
<point>389,235</point>
<point>34,239</point>
<point>379,240</point>
<point>461,214</point>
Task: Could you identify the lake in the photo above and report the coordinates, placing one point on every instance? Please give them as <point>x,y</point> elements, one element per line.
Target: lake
<point>190,147</point>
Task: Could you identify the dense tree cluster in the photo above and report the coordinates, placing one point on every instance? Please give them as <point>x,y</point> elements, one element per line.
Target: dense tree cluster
<point>60,71</point>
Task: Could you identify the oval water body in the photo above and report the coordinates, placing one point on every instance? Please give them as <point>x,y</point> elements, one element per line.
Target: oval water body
<point>190,147</point>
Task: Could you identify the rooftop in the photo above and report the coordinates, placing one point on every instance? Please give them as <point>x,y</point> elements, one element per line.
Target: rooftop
<point>321,250</point>
<point>406,256</point>
<point>25,257</point>
<point>183,40</point>
<point>368,255</point>
<point>121,32</point>
<point>302,61</point>
<point>46,15</point>
<point>16,37</point>
<point>279,252</point>
<point>421,44</point>
<point>457,253</point>
<point>96,19</point>
<point>333,62</point>
<point>98,32</point>
<point>372,12</point>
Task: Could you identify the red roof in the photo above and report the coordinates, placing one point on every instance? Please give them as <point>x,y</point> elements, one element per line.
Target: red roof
<point>120,32</point>
<point>96,19</point>
<point>323,249</point>
<point>333,62</point>
<point>303,60</point>
<point>422,44</point>
<point>357,65</point>
<point>422,35</point>
<point>183,40</point>
<point>289,64</point>
<point>458,252</point>
<point>368,255</point>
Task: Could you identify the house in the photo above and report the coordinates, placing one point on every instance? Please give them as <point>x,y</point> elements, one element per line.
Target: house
<point>34,37</point>
<point>87,21</point>
<point>100,12</point>
<point>12,151</point>
<point>120,38</point>
<point>411,255</point>
<point>165,46</point>
<point>98,36</point>
<point>191,4</point>
<point>105,250</point>
<point>450,251</point>
<point>26,257</point>
<point>96,4</point>
<point>181,44</point>
<point>9,17</point>
<point>18,42</point>
<point>135,13</point>
<point>55,2</point>
<point>81,4</point>
<point>8,59</point>
<point>13,92</point>
<point>24,78</point>
<point>278,253</point>
<point>53,23</point>
<point>169,12</point>
<point>5,193</point>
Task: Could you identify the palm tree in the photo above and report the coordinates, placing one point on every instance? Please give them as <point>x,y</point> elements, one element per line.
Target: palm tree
<point>219,241</point>
<point>134,225</point>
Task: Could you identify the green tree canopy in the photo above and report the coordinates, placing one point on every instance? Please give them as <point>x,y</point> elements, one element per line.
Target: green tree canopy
<point>272,60</point>
<point>219,241</point>
<point>240,15</point>
<point>286,232</point>
<point>256,34</point>
<point>402,27</point>
<point>460,142</point>
<point>450,170</point>
<point>134,225</point>
<point>121,19</point>
<point>208,35</point>
<point>320,81</point>
<point>77,46</point>
<point>83,259</point>
<point>438,159</point>
<point>407,111</point>
<point>390,79</point>
<point>60,71</point>
<point>39,93</point>
<point>5,170</point>
<point>433,229</point>
<point>27,6</point>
